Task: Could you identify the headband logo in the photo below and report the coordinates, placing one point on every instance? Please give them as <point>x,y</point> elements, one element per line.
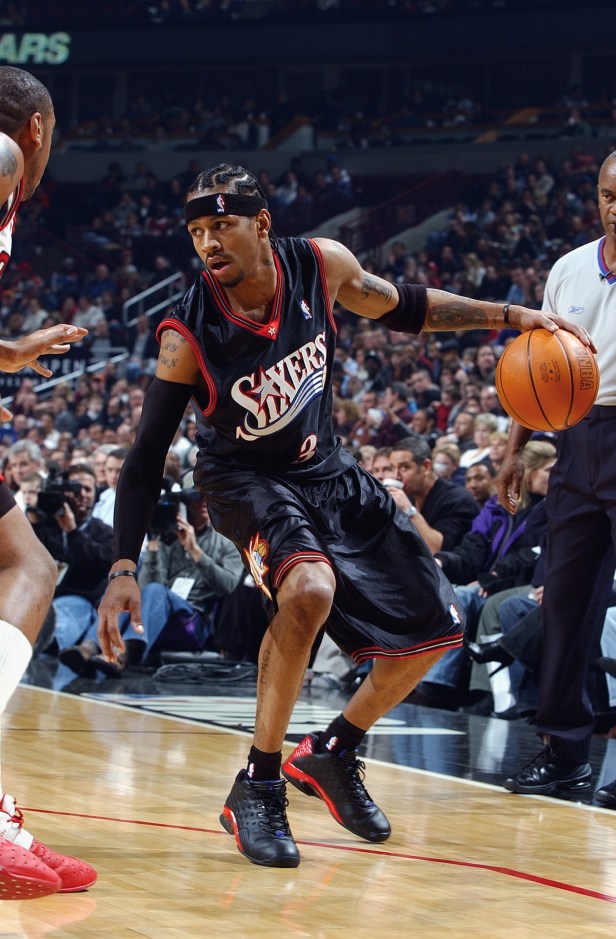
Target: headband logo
<point>220,203</point>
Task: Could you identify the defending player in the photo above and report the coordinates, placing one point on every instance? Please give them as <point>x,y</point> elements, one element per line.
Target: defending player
<point>27,572</point>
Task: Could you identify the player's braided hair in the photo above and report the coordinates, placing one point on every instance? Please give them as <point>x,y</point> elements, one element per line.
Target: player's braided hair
<point>235,179</point>
<point>21,96</point>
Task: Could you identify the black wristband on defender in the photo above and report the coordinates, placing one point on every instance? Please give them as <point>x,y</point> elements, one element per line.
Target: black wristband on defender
<point>410,314</point>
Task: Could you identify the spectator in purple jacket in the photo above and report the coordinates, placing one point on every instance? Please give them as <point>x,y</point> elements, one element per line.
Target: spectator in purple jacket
<point>493,556</point>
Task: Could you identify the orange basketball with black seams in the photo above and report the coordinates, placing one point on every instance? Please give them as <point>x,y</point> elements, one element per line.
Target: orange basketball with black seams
<point>547,381</point>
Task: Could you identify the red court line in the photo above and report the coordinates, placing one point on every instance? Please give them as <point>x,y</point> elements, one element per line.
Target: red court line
<point>473,865</point>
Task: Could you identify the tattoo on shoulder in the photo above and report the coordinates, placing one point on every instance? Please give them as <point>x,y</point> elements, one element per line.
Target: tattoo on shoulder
<point>455,315</point>
<point>371,286</point>
<point>170,346</point>
<point>167,361</point>
<point>8,162</point>
<point>172,340</point>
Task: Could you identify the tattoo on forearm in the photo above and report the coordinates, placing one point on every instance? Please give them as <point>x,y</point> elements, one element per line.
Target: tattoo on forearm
<point>456,315</point>
<point>372,286</point>
<point>8,162</point>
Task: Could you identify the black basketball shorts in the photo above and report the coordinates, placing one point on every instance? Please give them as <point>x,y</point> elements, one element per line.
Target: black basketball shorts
<point>392,600</point>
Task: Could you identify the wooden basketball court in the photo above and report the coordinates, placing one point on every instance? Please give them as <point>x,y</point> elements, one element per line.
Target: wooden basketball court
<point>138,793</point>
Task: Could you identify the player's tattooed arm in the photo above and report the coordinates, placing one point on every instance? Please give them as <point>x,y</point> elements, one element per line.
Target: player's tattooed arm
<point>176,360</point>
<point>375,287</point>
<point>447,311</point>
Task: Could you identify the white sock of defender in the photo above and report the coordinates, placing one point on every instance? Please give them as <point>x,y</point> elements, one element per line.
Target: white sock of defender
<point>15,655</point>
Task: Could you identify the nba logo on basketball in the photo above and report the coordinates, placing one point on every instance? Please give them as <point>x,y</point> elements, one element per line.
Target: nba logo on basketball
<point>220,202</point>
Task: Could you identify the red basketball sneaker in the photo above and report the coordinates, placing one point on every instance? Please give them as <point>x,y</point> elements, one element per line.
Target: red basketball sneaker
<point>338,780</point>
<point>74,874</point>
<point>23,876</point>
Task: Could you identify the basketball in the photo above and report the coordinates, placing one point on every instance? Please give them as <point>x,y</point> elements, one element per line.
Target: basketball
<point>547,381</point>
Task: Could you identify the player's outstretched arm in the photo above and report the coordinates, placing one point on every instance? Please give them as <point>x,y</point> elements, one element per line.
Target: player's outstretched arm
<point>25,351</point>
<point>447,311</point>
<point>414,308</point>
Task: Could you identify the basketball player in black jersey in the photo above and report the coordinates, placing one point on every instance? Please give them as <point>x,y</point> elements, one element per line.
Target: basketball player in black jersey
<point>27,571</point>
<point>252,343</point>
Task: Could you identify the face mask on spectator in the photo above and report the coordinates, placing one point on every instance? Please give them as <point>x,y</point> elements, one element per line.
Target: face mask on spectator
<point>440,468</point>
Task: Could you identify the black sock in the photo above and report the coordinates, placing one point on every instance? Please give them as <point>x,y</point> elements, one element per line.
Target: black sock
<point>263,767</point>
<point>340,735</point>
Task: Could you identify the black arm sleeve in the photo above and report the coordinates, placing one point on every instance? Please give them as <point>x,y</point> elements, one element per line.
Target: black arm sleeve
<point>410,314</point>
<point>142,472</point>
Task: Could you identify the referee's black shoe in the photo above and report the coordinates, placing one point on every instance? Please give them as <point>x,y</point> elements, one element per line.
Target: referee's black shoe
<point>255,812</point>
<point>606,796</point>
<point>338,781</point>
<point>548,773</point>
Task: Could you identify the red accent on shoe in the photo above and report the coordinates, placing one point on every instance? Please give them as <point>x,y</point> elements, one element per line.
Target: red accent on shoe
<point>311,783</point>
<point>231,826</point>
<point>305,748</point>
<point>75,875</point>
<point>23,876</point>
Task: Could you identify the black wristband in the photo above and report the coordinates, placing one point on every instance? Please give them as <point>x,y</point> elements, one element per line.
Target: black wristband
<point>409,315</point>
<point>122,574</point>
<point>506,314</point>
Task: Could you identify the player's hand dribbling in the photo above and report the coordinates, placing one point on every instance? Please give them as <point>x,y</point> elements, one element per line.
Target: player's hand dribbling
<point>524,319</point>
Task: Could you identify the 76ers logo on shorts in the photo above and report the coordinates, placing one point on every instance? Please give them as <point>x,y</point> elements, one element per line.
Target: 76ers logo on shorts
<point>255,553</point>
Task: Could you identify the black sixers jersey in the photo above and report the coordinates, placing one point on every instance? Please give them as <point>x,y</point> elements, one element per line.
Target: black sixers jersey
<point>268,384</point>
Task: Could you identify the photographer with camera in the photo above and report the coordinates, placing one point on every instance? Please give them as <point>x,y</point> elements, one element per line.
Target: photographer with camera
<point>187,568</point>
<point>81,546</point>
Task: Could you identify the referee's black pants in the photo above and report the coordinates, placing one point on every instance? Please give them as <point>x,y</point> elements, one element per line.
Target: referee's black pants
<point>579,573</point>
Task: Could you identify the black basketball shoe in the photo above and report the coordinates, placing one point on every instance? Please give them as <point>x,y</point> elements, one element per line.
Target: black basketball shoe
<point>547,773</point>
<point>255,812</point>
<point>338,780</point>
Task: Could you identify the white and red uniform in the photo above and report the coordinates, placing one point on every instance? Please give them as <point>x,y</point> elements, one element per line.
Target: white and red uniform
<point>7,225</point>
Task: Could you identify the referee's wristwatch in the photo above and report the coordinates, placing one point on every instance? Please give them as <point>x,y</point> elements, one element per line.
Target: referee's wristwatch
<point>412,510</point>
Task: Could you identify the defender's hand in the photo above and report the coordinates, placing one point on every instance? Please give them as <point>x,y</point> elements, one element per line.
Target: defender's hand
<point>25,351</point>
